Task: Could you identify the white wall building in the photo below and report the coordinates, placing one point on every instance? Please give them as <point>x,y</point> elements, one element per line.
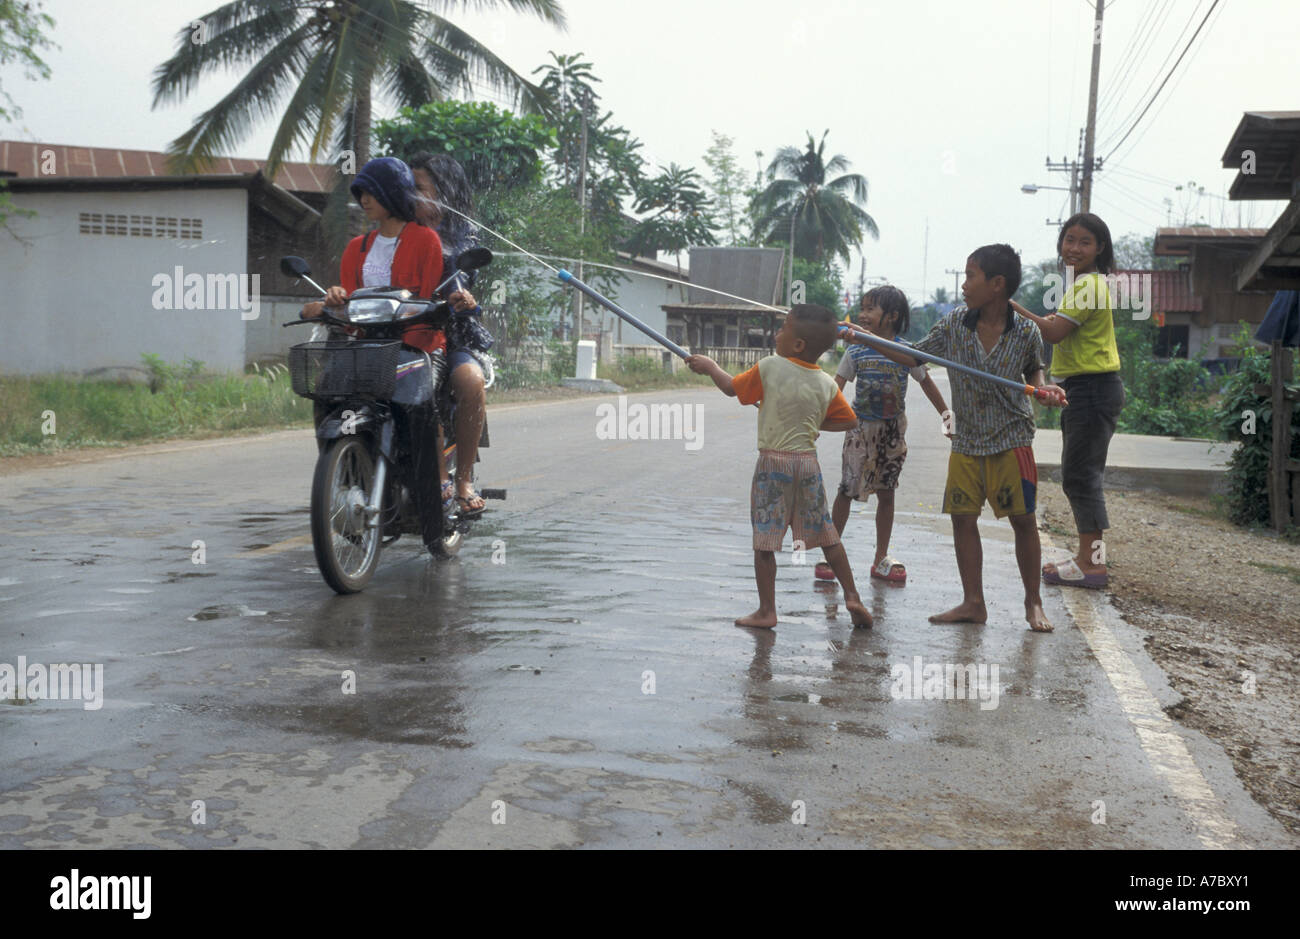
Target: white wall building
<point>122,259</point>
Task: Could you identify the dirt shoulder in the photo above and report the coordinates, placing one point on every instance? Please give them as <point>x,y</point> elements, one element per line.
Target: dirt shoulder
<point>1220,604</point>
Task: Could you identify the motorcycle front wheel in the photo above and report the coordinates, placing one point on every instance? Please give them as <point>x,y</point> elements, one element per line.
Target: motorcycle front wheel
<point>347,550</point>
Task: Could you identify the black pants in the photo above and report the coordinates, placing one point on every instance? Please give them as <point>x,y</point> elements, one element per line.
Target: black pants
<point>1087,425</point>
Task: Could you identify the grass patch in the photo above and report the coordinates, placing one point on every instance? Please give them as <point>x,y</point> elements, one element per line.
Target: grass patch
<point>179,401</point>
<point>1291,573</point>
<point>1216,511</point>
<point>639,373</point>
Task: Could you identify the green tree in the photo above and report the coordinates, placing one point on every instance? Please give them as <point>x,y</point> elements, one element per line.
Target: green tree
<point>823,283</point>
<point>681,214</point>
<point>495,147</point>
<point>801,207</point>
<point>728,184</point>
<point>21,35</point>
<point>327,58</point>
<point>21,25</point>
<point>613,167</point>
<point>1137,253</point>
<point>940,296</point>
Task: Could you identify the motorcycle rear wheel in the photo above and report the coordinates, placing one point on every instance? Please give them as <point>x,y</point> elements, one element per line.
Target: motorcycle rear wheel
<point>347,550</point>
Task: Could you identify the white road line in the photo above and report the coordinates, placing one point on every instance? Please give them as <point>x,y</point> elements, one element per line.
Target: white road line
<point>1164,746</point>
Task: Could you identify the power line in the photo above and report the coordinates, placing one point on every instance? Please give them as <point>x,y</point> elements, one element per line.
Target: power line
<point>1213,7</point>
<point>1137,47</point>
<point>1128,116</point>
<point>1163,104</point>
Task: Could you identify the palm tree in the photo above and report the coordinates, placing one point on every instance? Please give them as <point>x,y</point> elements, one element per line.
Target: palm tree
<point>570,98</point>
<point>328,57</point>
<point>682,214</point>
<point>815,217</point>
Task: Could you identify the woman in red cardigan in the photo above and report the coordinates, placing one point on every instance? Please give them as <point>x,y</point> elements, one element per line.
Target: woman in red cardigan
<point>399,253</point>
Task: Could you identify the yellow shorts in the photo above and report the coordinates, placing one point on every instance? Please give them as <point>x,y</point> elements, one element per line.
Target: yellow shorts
<point>1007,480</point>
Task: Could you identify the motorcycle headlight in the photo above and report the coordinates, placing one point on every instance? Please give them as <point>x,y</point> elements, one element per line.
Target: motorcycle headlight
<point>372,310</point>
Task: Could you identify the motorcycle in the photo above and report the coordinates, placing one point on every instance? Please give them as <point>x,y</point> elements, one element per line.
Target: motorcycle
<point>382,406</point>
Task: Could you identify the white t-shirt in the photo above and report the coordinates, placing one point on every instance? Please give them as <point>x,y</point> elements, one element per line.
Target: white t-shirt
<point>377,271</point>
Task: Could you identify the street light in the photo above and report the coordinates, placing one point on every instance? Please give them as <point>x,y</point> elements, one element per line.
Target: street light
<point>1030,188</point>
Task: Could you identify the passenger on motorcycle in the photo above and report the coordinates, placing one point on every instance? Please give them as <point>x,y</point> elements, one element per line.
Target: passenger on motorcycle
<point>440,179</point>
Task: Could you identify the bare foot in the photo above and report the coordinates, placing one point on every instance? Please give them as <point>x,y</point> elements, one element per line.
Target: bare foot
<point>967,612</point>
<point>759,619</point>
<point>858,612</point>
<point>1037,619</point>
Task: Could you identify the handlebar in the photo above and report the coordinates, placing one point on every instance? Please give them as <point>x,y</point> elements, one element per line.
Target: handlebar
<point>435,315</point>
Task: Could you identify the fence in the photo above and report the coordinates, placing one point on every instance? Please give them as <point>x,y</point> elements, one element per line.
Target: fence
<point>734,358</point>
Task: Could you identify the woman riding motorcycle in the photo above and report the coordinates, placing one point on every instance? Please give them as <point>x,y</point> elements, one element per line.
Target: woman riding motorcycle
<point>399,253</point>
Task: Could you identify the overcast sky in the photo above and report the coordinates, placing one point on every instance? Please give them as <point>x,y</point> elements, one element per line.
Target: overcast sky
<point>946,106</point>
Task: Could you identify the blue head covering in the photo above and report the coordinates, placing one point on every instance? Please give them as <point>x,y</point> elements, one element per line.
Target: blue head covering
<point>389,180</point>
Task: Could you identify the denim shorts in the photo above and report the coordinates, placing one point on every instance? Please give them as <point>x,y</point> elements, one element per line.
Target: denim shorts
<point>458,357</point>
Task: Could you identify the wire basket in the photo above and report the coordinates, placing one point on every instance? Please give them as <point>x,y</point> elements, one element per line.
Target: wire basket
<point>335,369</point>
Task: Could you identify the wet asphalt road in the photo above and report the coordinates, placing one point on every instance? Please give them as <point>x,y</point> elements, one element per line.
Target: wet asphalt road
<point>505,705</point>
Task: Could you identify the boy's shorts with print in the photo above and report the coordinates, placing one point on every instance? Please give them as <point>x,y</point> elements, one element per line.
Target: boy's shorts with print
<point>1007,480</point>
<point>788,492</point>
<point>874,452</point>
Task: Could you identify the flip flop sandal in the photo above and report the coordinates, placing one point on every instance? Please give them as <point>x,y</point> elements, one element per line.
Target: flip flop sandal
<point>890,570</point>
<point>823,571</point>
<point>467,513</point>
<point>448,497</point>
<point>1068,574</point>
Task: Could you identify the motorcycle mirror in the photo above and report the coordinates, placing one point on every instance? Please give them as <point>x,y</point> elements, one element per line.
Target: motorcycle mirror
<point>473,259</point>
<point>294,266</point>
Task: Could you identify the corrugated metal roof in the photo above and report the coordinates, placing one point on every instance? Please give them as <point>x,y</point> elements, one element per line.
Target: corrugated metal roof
<point>752,273</point>
<point>25,158</point>
<point>1176,242</point>
<point>1272,138</point>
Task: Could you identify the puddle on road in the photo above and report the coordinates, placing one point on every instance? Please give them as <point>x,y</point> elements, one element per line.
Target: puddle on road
<point>224,611</point>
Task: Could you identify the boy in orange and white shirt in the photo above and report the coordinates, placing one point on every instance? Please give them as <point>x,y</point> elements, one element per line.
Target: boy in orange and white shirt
<point>797,400</point>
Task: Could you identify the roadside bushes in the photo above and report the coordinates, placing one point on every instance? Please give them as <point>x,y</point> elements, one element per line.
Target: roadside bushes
<point>1248,468</point>
<point>1166,398</point>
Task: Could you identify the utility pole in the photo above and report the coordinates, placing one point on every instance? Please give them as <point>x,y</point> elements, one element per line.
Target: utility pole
<point>582,230</point>
<point>925,258</point>
<point>956,291</point>
<point>1085,187</point>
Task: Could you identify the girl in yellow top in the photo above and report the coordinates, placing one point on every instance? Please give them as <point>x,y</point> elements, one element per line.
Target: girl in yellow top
<point>1086,364</point>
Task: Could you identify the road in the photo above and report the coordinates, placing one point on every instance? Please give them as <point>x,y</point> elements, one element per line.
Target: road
<point>572,679</point>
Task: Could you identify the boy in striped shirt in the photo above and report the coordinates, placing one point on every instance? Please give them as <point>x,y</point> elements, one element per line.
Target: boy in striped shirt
<point>797,400</point>
<point>993,428</point>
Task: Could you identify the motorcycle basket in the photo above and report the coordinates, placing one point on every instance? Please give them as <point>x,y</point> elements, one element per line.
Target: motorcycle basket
<point>337,369</point>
